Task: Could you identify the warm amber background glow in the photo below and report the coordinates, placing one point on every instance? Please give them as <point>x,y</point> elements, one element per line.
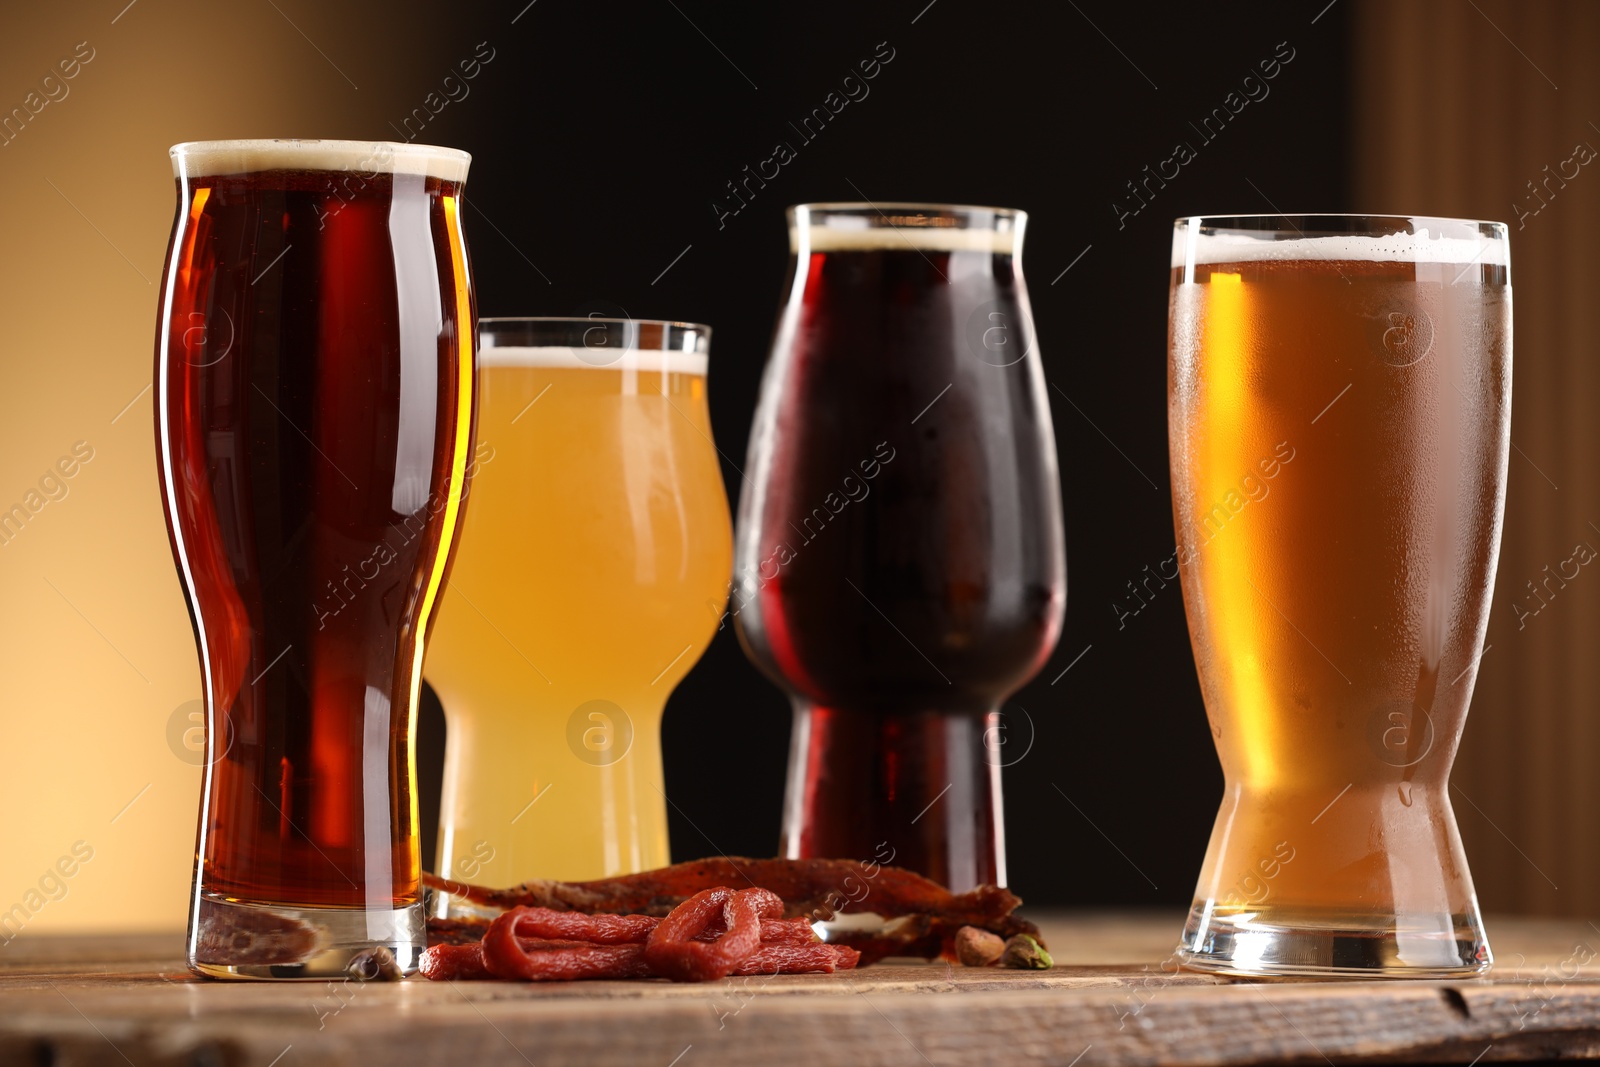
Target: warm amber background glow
<point>97,649</point>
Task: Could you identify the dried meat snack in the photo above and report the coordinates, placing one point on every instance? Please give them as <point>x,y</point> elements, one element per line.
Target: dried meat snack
<point>675,949</point>
<point>782,958</point>
<point>576,926</point>
<point>471,931</point>
<point>535,960</point>
<point>788,932</point>
<point>929,914</point>
<point>449,963</point>
<point>716,933</point>
<point>807,886</point>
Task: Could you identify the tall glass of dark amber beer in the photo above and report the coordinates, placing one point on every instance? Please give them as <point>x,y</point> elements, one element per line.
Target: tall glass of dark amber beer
<point>314,386</point>
<point>1339,415</point>
<point>899,562</point>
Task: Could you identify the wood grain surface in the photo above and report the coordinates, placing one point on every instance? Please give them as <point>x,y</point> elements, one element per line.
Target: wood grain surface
<point>1113,998</point>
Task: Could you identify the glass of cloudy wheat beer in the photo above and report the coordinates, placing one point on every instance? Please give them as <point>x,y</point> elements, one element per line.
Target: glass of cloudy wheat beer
<point>1339,413</point>
<point>899,566</point>
<point>313,388</point>
<point>593,568</point>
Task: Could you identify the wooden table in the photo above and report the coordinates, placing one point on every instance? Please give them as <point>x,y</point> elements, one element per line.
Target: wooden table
<point>128,1000</point>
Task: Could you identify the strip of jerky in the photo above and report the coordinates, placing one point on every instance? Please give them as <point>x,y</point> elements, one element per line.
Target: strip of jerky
<point>813,888</point>
<point>799,959</point>
<point>470,931</point>
<point>450,963</point>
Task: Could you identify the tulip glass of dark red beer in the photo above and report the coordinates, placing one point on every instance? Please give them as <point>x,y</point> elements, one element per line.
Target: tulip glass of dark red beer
<point>314,394</point>
<point>899,566</point>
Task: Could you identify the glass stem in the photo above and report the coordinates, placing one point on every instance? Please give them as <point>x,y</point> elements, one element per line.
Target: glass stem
<point>918,790</point>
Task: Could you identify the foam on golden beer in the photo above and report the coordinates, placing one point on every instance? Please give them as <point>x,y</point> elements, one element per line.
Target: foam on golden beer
<point>1192,248</point>
<point>619,359</point>
<point>202,158</point>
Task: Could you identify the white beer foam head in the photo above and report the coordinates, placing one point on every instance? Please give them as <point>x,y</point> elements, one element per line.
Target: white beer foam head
<point>201,158</point>
<point>892,227</point>
<point>905,238</point>
<point>1191,247</point>
<point>556,356</point>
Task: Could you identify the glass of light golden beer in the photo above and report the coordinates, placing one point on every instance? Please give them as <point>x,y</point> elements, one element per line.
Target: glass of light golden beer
<point>597,533</point>
<point>1339,409</point>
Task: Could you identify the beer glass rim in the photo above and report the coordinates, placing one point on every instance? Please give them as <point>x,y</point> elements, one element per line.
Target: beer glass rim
<point>912,207</point>
<point>248,155</point>
<point>1333,235</point>
<point>682,324</point>
<point>865,225</point>
<point>1375,225</point>
<point>577,332</point>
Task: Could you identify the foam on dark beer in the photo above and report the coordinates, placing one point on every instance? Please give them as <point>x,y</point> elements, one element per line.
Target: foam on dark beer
<point>921,237</point>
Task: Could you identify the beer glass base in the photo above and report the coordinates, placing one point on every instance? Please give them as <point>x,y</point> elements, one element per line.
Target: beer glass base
<point>238,939</point>
<point>1309,943</point>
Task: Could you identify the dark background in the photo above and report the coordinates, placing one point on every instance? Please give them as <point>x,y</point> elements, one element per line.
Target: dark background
<point>600,141</point>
